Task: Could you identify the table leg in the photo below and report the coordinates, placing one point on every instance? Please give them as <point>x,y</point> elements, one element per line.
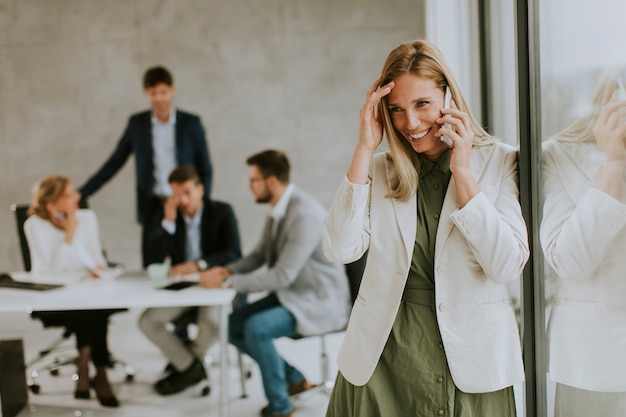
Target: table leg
<point>224,391</point>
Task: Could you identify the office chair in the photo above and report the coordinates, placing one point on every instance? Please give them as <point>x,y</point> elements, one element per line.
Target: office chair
<point>58,345</point>
<point>354,273</point>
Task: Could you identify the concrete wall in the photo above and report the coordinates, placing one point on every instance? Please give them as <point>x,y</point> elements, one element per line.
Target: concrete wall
<point>287,74</point>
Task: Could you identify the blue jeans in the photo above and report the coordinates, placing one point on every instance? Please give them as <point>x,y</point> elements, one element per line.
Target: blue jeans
<point>253,329</point>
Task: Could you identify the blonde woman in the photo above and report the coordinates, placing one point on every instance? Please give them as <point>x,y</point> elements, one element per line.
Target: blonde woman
<point>584,241</point>
<point>433,330</point>
<point>64,243</point>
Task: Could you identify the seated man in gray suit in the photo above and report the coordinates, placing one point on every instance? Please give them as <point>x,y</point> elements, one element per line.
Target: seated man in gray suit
<point>308,294</point>
<point>196,233</point>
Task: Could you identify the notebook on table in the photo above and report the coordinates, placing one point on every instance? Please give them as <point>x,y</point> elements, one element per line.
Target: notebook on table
<point>7,281</point>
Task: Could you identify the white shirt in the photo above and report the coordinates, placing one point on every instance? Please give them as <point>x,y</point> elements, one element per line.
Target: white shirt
<point>164,148</point>
<point>51,256</point>
<point>193,243</point>
<point>193,250</point>
<point>278,211</point>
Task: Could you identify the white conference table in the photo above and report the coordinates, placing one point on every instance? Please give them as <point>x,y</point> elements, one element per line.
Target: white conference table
<point>130,290</point>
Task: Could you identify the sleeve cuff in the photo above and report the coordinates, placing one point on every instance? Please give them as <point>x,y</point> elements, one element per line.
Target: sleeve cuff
<point>169,226</point>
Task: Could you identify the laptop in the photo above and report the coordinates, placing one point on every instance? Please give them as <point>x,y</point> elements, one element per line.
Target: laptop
<point>7,281</point>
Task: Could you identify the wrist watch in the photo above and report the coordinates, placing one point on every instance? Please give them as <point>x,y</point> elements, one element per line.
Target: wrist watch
<point>201,264</point>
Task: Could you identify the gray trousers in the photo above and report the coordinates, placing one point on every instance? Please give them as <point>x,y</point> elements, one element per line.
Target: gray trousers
<point>154,324</point>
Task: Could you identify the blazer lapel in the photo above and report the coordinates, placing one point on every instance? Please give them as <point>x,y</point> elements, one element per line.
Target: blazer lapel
<point>405,212</point>
<point>181,238</point>
<point>146,148</point>
<point>478,162</point>
<point>178,138</point>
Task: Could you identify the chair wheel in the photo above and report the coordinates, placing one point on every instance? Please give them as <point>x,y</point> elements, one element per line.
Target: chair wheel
<point>35,388</point>
<point>54,372</point>
<point>205,391</point>
<point>130,378</point>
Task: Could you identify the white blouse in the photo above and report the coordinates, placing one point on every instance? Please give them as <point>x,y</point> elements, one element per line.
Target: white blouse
<point>51,256</point>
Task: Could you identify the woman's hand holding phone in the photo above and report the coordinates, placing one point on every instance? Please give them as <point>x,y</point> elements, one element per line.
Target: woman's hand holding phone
<point>610,128</point>
<point>456,128</point>
<point>66,222</point>
<point>446,105</point>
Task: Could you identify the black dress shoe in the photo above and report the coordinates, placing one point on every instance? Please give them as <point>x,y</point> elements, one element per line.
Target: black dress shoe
<point>105,401</point>
<point>169,368</point>
<point>109,401</point>
<point>178,381</point>
<point>82,395</point>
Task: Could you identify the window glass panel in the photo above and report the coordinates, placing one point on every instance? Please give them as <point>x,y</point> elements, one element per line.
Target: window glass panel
<point>582,59</point>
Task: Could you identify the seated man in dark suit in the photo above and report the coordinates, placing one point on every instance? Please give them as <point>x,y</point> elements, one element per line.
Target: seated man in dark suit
<point>197,234</point>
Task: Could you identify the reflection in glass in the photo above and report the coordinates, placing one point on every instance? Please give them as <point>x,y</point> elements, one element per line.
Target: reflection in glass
<point>583,236</point>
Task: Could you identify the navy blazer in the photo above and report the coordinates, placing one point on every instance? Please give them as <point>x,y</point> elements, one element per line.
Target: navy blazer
<point>219,236</point>
<point>191,149</point>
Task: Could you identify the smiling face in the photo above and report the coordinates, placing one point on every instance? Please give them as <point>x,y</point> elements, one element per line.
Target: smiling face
<point>161,97</point>
<point>414,105</point>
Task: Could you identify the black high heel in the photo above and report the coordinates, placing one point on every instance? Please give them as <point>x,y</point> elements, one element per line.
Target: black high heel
<point>82,395</point>
<point>106,401</point>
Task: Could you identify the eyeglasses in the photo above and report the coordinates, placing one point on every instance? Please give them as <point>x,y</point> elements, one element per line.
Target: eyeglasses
<point>256,179</point>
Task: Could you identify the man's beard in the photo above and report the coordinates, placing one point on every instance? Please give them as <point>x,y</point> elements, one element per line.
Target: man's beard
<point>265,198</point>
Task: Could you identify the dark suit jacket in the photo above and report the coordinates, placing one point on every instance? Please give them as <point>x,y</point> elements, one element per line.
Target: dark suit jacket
<point>191,149</point>
<point>219,236</point>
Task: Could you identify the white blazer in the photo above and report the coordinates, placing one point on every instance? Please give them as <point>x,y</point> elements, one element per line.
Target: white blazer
<point>478,250</point>
<point>52,257</point>
<point>584,241</point>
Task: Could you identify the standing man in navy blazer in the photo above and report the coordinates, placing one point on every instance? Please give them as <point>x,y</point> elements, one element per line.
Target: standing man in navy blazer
<point>161,138</point>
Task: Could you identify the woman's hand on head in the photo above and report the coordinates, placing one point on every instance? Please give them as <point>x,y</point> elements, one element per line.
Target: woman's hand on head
<point>610,129</point>
<point>371,124</point>
<point>459,130</point>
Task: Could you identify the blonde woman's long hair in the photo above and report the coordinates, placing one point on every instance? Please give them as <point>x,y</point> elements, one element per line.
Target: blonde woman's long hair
<point>47,190</point>
<point>423,59</point>
<point>581,130</point>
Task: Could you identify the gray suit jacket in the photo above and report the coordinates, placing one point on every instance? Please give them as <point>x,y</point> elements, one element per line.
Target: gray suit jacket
<point>307,284</point>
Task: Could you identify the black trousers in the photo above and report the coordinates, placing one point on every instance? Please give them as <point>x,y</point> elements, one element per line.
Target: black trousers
<point>89,326</point>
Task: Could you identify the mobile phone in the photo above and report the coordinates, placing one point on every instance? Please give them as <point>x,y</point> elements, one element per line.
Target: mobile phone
<point>621,93</point>
<point>59,215</point>
<point>446,105</point>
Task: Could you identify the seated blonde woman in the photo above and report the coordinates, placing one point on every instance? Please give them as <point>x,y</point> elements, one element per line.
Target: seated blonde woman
<point>64,243</point>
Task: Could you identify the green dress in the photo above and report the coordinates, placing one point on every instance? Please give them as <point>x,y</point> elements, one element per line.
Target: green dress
<point>412,377</point>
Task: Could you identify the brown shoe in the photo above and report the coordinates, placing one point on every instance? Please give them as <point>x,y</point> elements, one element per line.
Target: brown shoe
<point>289,414</point>
<point>300,387</point>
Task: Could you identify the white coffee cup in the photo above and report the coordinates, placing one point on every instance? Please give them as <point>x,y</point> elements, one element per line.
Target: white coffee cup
<point>158,274</point>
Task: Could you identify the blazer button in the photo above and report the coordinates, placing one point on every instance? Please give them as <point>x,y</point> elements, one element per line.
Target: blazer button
<point>441,269</point>
<point>442,306</point>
